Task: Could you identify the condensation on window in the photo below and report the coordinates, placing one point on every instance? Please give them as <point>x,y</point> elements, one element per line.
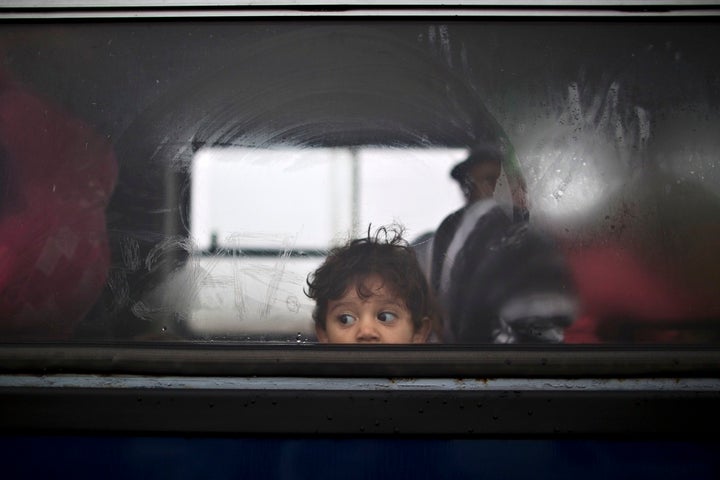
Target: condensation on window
<point>179,180</point>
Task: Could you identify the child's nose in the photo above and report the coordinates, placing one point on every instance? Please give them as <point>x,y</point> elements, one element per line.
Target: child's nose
<point>367,331</point>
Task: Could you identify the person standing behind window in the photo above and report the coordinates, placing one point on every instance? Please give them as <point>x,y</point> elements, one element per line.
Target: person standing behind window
<point>497,281</point>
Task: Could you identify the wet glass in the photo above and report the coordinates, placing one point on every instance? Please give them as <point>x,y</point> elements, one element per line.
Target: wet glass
<point>180,179</point>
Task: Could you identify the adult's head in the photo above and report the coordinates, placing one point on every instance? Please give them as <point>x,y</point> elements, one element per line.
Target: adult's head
<point>478,174</point>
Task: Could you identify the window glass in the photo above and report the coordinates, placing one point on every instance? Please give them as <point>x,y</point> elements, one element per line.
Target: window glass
<point>557,181</point>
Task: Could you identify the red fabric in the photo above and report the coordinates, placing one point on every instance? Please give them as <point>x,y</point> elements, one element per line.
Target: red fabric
<point>54,254</point>
<point>624,300</point>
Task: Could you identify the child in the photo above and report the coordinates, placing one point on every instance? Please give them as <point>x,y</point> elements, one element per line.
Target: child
<point>372,290</point>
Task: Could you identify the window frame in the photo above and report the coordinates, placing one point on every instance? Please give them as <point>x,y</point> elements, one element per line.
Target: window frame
<point>646,391</point>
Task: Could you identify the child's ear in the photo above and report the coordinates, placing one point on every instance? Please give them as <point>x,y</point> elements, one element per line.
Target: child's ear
<point>321,334</point>
<point>422,332</point>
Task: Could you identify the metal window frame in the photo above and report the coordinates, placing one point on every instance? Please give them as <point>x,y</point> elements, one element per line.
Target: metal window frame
<point>473,392</point>
<point>401,361</point>
<point>544,408</point>
<point>116,9</point>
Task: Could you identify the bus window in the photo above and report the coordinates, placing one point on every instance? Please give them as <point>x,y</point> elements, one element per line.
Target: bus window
<point>178,180</point>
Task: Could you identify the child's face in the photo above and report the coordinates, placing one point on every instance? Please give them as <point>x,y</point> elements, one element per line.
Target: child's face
<point>380,318</point>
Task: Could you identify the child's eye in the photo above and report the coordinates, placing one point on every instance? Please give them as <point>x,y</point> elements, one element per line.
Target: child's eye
<point>386,317</point>
<point>346,319</point>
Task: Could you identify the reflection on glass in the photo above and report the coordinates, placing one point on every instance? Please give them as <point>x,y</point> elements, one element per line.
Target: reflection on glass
<point>56,177</point>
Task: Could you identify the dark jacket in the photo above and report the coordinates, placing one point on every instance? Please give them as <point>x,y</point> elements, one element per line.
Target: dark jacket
<point>509,284</point>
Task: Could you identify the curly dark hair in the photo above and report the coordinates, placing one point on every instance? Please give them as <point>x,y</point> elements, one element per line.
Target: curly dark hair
<point>384,253</point>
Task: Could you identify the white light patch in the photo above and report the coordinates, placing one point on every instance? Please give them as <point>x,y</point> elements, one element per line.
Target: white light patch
<point>262,198</point>
<point>566,185</point>
<point>410,186</point>
<point>311,198</point>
